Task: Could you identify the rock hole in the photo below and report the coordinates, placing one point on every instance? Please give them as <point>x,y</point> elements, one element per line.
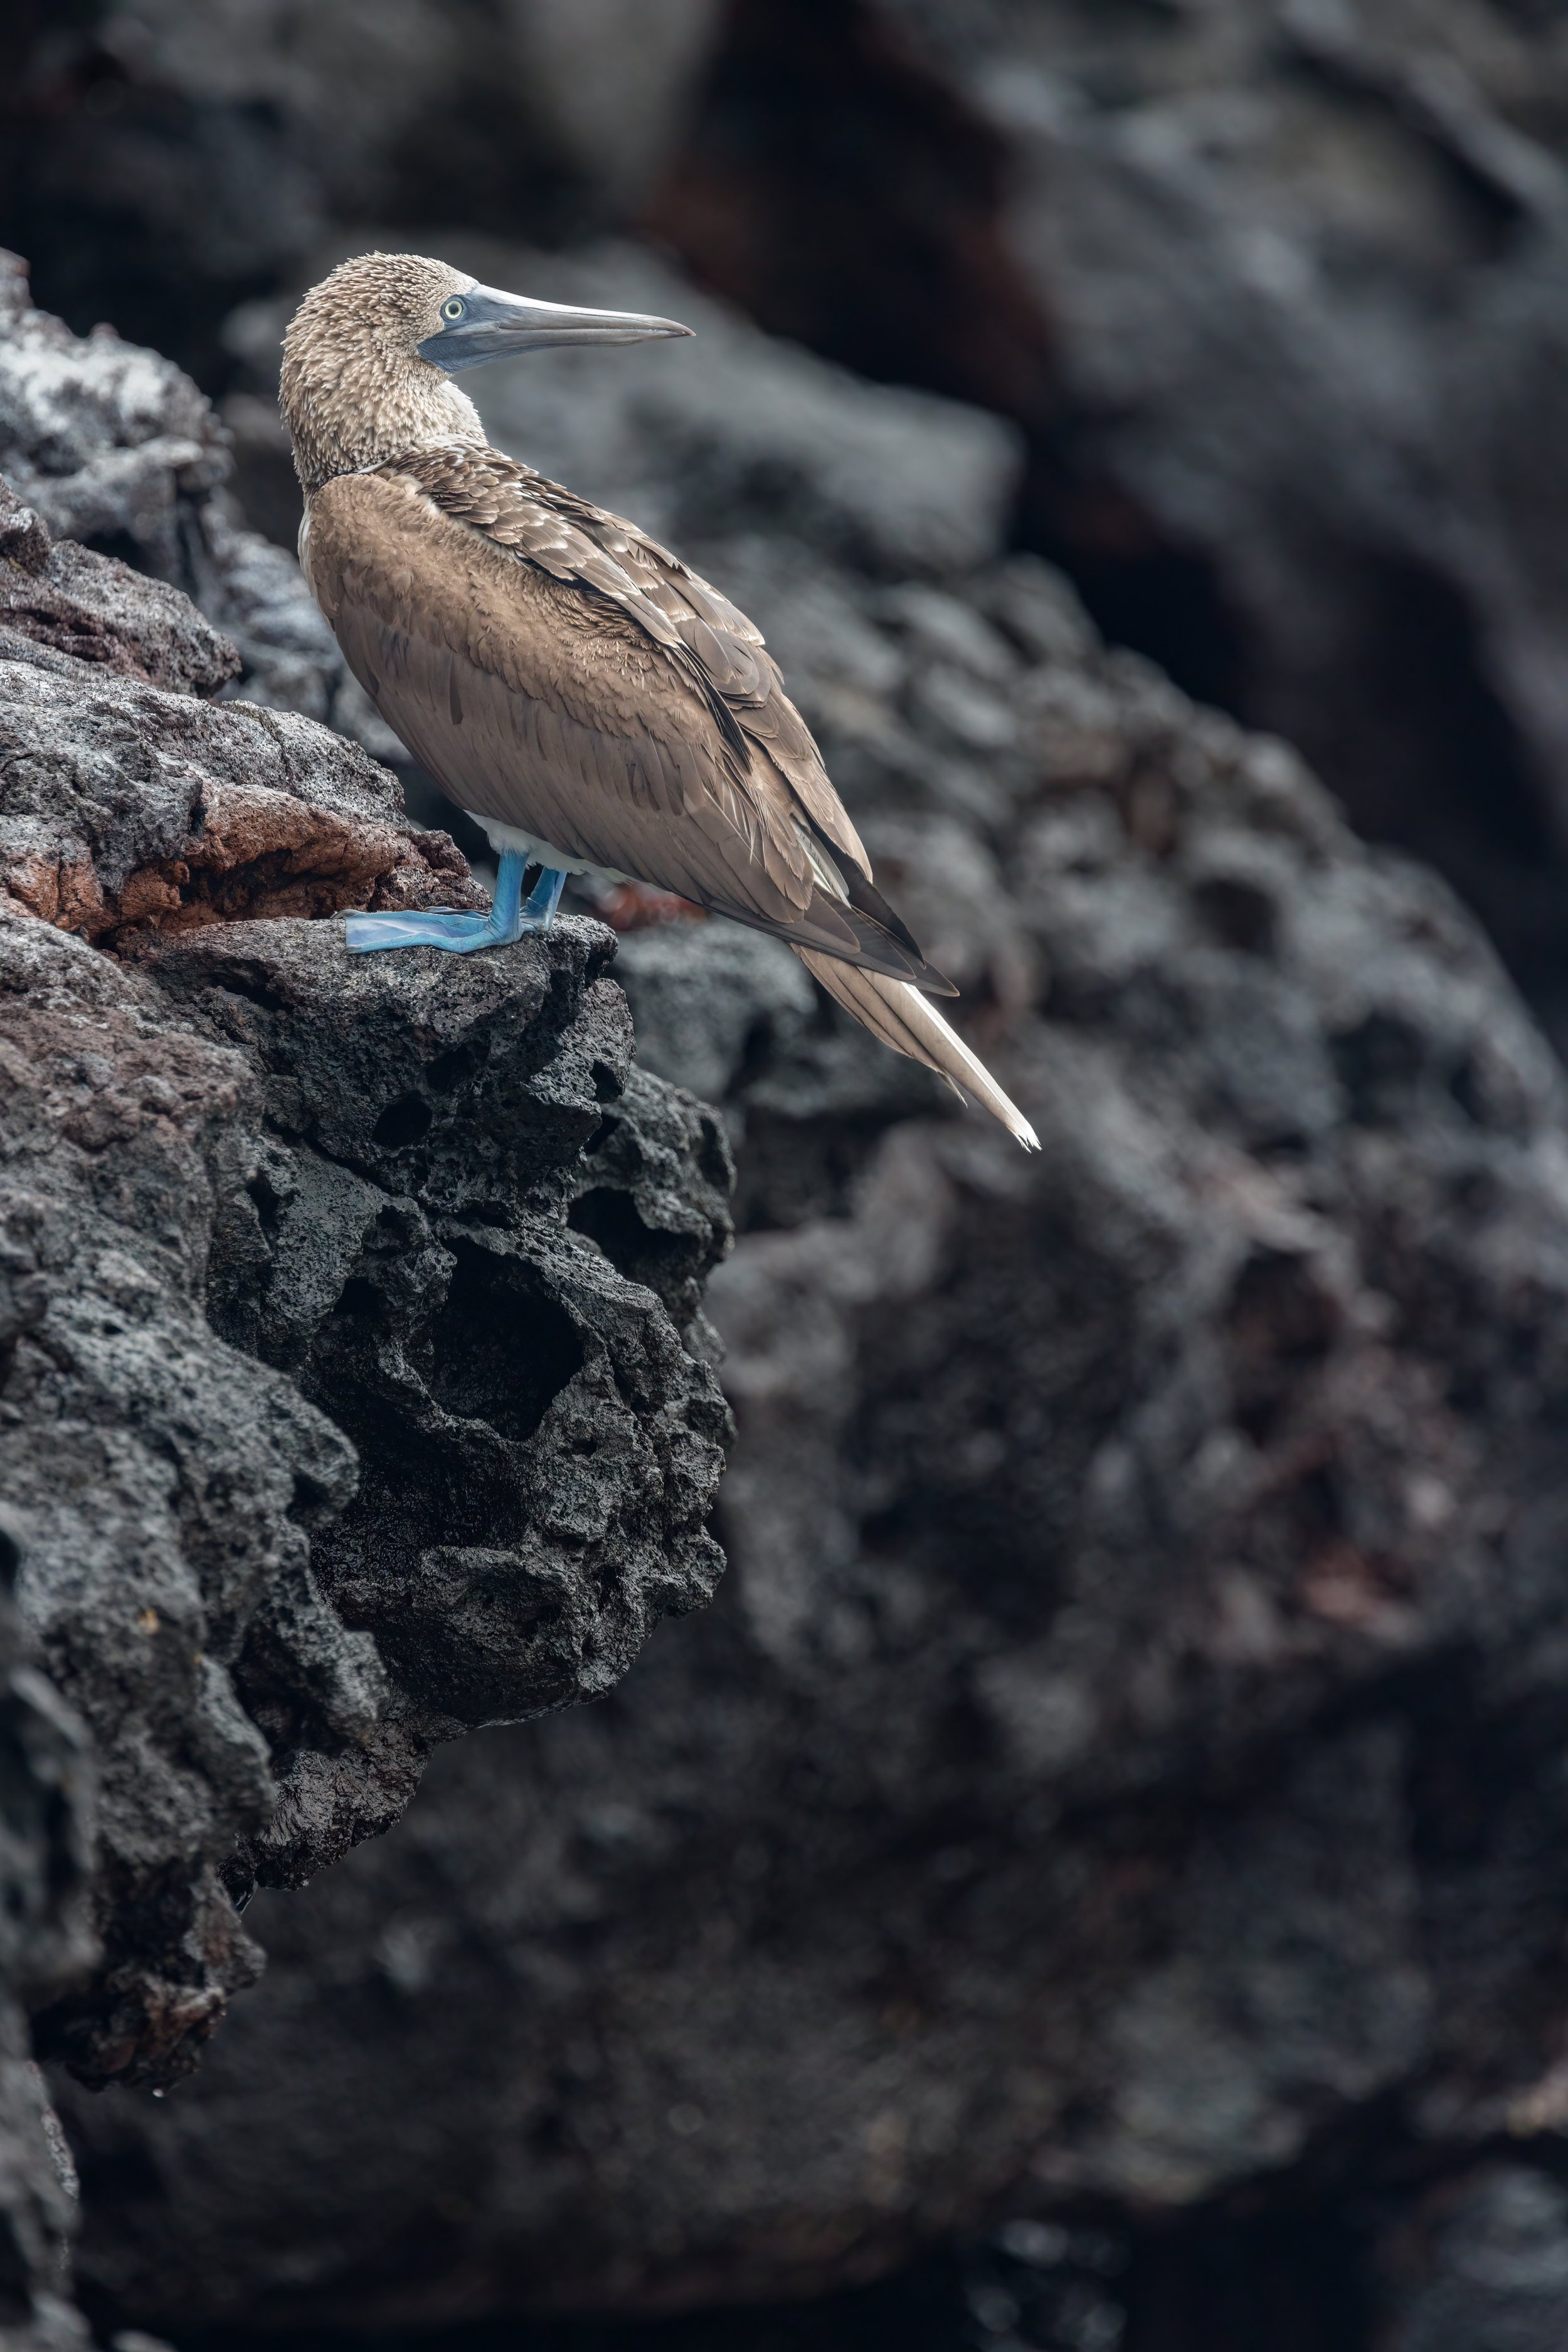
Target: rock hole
<point>404,1122</point>
<point>608,1086</point>
<point>268,1206</point>
<point>238,977</point>
<point>359,1300</point>
<point>313,1501</point>
<point>757,1050</point>
<point>498,1351</point>
<point>1280,1323</point>
<point>1466,1087</point>
<point>498,1214</point>
<point>1379,1064</point>
<point>610,1218</point>
<point>449,1071</point>
<point>714,1164</point>
<point>1237,913</point>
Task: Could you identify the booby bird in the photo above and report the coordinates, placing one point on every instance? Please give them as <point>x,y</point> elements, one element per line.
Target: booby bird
<point>593,705</point>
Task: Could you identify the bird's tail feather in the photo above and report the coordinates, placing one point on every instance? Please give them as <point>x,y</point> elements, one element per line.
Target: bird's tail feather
<point>908,1022</point>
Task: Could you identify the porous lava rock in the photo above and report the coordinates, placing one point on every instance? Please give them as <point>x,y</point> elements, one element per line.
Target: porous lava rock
<point>1477,2264</point>
<point>1276,291</point>
<point>114,449</point>
<point>99,610</point>
<point>467,1235</point>
<point>47,1805</point>
<point>126,809</point>
<point>1123,1769</point>
<point>354,1380</point>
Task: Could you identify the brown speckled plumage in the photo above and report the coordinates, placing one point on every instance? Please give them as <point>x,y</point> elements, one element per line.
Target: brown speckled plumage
<point>563,676</point>
<point>353,390</point>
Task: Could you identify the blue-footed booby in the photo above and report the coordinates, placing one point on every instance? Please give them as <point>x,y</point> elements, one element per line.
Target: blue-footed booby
<point>595,705</point>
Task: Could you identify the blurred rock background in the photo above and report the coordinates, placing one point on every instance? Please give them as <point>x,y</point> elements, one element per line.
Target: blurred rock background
<point>1099,1868</point>
<point>1273,288</point>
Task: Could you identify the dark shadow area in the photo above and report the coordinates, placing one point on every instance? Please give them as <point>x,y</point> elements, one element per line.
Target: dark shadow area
<point>1139,590</point>
<point>836,190</point>
<point>920,2310</point>
<point>138,204</point>
<point>1295,2282</point>
<point>1410,732</point>
<point>496,1352</point>
<point>871,228</point>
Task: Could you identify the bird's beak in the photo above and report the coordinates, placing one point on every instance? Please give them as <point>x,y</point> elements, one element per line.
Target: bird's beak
<point>493,326</point>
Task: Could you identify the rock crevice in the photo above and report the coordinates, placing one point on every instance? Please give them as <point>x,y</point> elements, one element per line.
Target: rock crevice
<point>1122,1771</point>
<point>354,1387</point>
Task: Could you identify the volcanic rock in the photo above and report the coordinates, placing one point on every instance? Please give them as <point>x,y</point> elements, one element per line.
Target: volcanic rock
<point>1276,291</point>
<point>345,1399</point>
<point>1125,1758</point>
<point>112,446</point>
<point>1479,2265</point>
<point>46,1804</point>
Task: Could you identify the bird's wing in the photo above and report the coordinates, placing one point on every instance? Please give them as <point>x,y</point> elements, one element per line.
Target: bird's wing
<point>731,653</point>
<point>578,683</point>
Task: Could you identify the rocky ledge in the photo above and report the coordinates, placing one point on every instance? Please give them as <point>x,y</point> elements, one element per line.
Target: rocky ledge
<point>1122,1782</point>
<point>354,1389</point>
<point>1119,1795</point>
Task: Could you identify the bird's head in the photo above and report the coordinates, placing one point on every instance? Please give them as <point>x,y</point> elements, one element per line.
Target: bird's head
<point>370,352</point>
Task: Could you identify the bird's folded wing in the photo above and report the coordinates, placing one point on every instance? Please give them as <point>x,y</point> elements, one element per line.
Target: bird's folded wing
<point>697,626</point>
<point>589,692</point>
<point>733,654</point>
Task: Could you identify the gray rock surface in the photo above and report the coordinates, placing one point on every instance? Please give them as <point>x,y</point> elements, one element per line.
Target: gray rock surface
<point>1125,1758</point>
<point>47,1808</point>
<point>98,610</point>
<point>128,809</point>
<point>1275,290</point>
<point>1480,2266</point>
<point>113,446</point>
<point>1303,267</point>
<point>236,136</point>
<point>345,1401</point>
<point>1128,1760</point>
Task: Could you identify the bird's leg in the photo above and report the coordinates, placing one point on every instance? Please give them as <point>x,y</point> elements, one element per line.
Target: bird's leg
<point>538,912</point>
<point>509,917</point>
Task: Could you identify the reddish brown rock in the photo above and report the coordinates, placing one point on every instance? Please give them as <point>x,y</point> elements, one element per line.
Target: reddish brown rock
<point>144,811</point>
<point>97,609</point>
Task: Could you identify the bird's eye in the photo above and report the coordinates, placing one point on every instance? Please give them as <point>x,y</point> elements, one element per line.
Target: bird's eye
<point>452,309</point>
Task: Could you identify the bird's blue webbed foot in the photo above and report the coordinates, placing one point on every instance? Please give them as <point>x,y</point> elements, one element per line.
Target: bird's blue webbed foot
<point>509,917</point>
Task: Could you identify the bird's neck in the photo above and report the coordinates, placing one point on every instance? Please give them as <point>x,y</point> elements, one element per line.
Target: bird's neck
<point>350,410</point>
